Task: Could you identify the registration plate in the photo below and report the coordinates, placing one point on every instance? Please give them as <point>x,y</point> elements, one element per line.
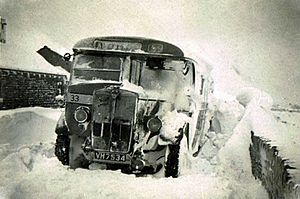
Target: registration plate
<point>110,156</point>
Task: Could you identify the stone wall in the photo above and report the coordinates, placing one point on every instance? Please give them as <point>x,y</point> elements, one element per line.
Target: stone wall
<point>272,170</point>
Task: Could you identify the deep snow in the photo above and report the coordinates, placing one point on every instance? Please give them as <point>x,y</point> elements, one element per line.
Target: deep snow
<point>29,168</point>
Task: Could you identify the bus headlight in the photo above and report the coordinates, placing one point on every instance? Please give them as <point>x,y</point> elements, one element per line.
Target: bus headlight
<point>82,114</point>
<point>154,124</point>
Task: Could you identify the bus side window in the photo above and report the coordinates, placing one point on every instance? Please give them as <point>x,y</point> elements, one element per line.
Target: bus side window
<point>135,71</point>
<point>188,71</point>
<point>2,30</point>
<point>202,85</point>
<point>126,69</point>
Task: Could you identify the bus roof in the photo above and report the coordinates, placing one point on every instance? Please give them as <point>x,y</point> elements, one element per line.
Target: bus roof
<point>128,45</point>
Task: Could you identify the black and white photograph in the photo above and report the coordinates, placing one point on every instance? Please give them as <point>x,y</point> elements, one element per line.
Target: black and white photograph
<point>148,99</point>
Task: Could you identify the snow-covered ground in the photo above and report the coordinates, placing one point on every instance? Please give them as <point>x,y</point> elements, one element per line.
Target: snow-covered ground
<point>30,170</point>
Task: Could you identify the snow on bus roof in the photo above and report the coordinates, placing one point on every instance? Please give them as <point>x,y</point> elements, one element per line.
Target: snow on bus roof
<point>137,45</point>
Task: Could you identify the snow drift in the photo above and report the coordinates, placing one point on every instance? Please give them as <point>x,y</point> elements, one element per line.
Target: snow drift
<point>30,170</point>
<point>222,169</point>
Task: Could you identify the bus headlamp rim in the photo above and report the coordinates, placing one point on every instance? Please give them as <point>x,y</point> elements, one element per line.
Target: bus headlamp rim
<point>84,110</point>
<point>154,124</point>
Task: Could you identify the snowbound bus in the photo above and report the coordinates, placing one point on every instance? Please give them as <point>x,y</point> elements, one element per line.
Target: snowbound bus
<point>129,104</point>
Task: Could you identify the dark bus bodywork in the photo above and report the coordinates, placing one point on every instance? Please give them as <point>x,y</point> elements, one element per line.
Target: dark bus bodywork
<point>130,104</point>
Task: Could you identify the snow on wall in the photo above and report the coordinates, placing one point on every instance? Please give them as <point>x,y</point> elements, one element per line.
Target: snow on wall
<point>284,135</point>
<point>272,170</point>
